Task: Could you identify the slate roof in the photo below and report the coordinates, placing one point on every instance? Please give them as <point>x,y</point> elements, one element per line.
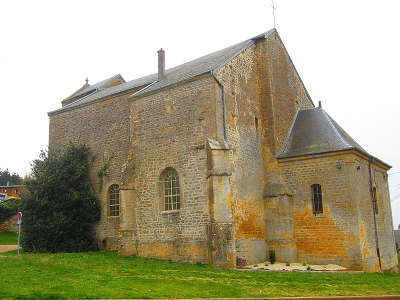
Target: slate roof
<point>314,132</point>
<point>198,66</point>
<point>98,86</point>
<point>208,63</point>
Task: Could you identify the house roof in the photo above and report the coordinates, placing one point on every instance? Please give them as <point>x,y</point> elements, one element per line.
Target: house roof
<point>87,88</point>
<point>208,63</point>
<point>314,132</point>
<point>204,64</point>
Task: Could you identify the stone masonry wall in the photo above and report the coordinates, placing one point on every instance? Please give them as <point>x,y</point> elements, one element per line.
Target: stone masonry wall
<point>242,93</point>
<point>169,130</point>
<point>262,92</point>
<point>333,236</point>
<point>360,183</point>
<point>287,91</point>
<point>104,127</point>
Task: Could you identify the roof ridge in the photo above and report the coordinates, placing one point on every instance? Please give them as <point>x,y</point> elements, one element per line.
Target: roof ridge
<point>334,127</point>
<point>198,66</point>
<point>251,42</point>
<point>84,97</point>
<point>95,86</point>
<point>286,145</point>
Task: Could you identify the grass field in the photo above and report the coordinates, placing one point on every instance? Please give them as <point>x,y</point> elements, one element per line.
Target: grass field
<point>8,238</point>
<point>105,275</point>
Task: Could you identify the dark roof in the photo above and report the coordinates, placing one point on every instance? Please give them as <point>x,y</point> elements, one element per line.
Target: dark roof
<point>87,88</point>
<point>314,132</point>
<point>109,91</point>
<point>204,64</point>
<point>209,63</point>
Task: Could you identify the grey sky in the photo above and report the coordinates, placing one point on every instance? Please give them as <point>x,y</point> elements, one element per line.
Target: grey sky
<point>345,51</point>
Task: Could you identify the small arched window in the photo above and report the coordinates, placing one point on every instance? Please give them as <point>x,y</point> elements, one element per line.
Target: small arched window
<point>113,201</point>
<point>374,200</point>
<point>316,199</point>
<point>171,191</point>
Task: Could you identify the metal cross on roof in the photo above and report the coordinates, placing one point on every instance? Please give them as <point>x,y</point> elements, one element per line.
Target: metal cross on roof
<point>273,11</point>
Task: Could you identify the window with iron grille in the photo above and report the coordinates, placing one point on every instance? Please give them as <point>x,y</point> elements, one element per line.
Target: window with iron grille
<point>316,199</point>
<point>113,200</point>
<point>374,200</point>
<point>171,192</point>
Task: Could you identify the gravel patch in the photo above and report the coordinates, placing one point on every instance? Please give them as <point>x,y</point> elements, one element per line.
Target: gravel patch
<point>278,266</point>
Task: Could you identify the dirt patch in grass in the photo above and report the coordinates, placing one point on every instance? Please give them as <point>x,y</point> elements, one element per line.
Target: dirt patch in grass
<point>6,248</point>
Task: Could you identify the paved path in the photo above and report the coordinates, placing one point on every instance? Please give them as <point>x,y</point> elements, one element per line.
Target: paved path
<point>6,248</point>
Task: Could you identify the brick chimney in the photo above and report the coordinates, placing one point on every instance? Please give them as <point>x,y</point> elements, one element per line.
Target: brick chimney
<point>161,64</point>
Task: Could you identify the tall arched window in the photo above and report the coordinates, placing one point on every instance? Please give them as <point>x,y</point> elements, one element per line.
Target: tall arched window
<point>113,200</point>
<point>374,200</point>
<point>171,191</point>
<point>316,199</point>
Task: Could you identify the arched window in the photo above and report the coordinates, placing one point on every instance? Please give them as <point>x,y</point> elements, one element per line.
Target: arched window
<point>113,201</point>
<point>316,199</point>
<point>170,187</point>
<point>374,200</point>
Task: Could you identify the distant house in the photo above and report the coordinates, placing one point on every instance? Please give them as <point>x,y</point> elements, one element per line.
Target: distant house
<point>11,192</point>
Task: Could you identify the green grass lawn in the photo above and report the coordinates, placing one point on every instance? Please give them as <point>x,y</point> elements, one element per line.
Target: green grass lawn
<point>105,275</point>
<point>8,238</point>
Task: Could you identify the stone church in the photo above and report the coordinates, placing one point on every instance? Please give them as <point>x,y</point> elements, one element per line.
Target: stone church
<point>224,159</point>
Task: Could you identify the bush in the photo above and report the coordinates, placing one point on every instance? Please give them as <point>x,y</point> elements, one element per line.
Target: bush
<point>60,210</point>
<point>9,208</point>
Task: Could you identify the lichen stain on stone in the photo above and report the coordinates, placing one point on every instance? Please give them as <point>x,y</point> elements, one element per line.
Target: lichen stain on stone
<point>240,68</point>
<point>248,219</point>
<point>319,236</point>
<point>229,201</point>
<point>363,242</point>
<point>160,250</point>
<point>194,250</point>
<point>270,164</point>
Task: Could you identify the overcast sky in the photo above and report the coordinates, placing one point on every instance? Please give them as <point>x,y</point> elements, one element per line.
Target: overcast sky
<point>347,53</point>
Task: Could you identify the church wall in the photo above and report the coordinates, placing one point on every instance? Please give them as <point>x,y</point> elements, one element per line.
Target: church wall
<point>389,258</point>
<point>333,236</point>
<point>104,127</point>
<point>169,129</point>
<point>263,93</point>
<point>287,91</point>
<point>361,189</point>
<point>241,81</point>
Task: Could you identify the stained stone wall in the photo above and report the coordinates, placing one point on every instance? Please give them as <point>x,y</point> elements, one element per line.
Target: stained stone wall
<point>344,233</point>
<point>263,92</point>
<point>237,200</point>
<point>169,130</point>
<point>102,125</point>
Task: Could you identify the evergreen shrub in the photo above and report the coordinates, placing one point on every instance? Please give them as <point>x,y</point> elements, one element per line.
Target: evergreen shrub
<point>60,210</point>
<point>8,209</point>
